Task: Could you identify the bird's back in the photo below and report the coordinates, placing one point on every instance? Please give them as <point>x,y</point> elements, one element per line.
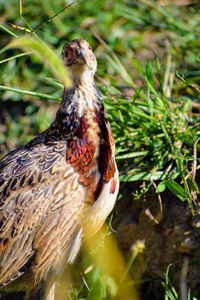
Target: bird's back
<point>40,208</point>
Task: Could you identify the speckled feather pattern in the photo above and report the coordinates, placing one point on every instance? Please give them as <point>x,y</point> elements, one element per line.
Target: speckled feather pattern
<point>60,178</point>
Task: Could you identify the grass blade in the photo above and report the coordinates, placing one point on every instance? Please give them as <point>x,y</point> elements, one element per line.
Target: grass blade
<point>24,92</point>
<point>45,55</point>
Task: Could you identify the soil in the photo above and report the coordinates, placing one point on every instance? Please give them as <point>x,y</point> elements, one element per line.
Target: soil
<point>171,234</point>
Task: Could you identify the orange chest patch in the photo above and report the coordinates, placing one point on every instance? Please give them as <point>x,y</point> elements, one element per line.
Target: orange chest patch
<point>90,153</point>
<point>80,154</point>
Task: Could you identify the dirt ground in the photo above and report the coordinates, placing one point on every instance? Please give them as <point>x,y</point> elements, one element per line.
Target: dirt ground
<point>171,236</point>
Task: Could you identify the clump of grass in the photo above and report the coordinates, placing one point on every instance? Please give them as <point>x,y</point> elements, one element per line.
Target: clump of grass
<point>156,136</point>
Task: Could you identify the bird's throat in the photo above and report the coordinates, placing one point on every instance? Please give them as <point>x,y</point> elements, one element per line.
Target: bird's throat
<point>82,97</point>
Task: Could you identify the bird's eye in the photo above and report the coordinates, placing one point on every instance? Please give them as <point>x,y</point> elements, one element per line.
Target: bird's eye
<point>89,47</point>
<point>69,54</point>
<point>66,54</point>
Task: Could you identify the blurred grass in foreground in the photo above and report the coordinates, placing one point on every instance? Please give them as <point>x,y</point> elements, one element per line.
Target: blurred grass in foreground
<point>105,274</point>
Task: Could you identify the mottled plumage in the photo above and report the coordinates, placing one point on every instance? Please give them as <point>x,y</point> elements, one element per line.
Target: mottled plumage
<point>59,187</point>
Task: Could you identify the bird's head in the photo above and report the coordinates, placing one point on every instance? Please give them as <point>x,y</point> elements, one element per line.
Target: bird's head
<point>79,59</point>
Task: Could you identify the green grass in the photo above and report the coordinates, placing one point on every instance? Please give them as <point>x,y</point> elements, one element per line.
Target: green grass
<point>170,291</point>
<point>158,143</point>
<point>148,73</point>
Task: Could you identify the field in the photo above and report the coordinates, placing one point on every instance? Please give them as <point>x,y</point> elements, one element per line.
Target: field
<point>149,76</point>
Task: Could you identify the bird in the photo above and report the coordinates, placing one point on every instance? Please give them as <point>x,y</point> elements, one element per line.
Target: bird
<point>60,187</point>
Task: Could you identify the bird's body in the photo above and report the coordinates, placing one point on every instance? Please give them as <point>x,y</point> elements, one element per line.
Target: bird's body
<point>59,187</point>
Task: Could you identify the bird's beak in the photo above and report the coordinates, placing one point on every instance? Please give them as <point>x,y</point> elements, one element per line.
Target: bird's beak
<point>82,56</point>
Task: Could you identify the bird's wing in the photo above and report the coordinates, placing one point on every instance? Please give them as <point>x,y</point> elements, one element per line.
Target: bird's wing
<point>39,209</point>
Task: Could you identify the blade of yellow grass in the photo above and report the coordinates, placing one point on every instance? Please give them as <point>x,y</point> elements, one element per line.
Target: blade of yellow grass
<point>45,54</point>
<point>109,260</point>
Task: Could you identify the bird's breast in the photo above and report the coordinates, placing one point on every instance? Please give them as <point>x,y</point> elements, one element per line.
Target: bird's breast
<point>91,153</point>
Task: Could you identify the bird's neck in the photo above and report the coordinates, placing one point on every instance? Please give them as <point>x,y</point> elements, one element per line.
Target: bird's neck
<point>83,76</point>
<point>80,102</point>
<point>83,96</point>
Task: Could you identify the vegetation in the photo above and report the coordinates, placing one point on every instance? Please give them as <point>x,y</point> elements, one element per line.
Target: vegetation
<point>148,73</point>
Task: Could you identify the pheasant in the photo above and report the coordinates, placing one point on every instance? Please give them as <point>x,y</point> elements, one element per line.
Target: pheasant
<point>59,187</point>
